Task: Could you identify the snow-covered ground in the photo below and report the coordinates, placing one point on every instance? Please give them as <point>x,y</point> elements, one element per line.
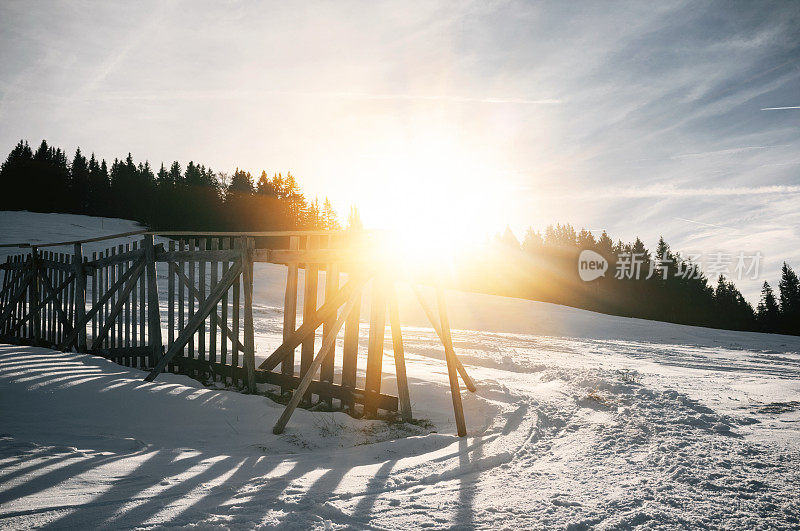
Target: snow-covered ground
<point>580,420</point>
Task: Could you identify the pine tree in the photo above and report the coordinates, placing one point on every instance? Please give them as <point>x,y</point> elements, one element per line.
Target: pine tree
<point>768,311</point>
<point>79,183</point>
<point>789,287</point>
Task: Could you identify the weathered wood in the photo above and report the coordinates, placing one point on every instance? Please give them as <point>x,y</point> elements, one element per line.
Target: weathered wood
<point>124,256</point>
<point>308,256</point>
<point>247,245</point>
<point>399,355</point>
<point>95,281</point>
<point>18,295</point>
<point>212,318</point>
<point>326,371</point>
<point>310,326</point>
<point>223,321</point>
<point>70,339</point>
<point>436,326</point>
<point>290,311</point>
<point>34,295</point>
<point>153,311</point>
<point>191,351</point>
<point>193,292</point>
<point>325,350</point>
<point>452,373</point>
<point>377,334</point>
<point>128,299</point>
<point>309,310</point>
<point>350,348</point>
<point>200,255</point>
<point>196,319</point>
<point>181,299</point>
<point>201,284</point>
<point>132,275</point>
<point>120,318</point>
<point>52,295</point>
<point>136,340</point>
<point>235,320</point>
<point>171,272</point>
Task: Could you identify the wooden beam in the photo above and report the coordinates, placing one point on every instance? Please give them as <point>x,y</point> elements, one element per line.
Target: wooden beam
<point>399,355</point>
<point>153,311</point>
<point>447,345</point>
<point>194,322</point>
<point>309,327</point>
<point>53,295</point>
<point>455,392</point>
<point>290,312</point>
<point>16,297</point>
<point>327,343</point>
<point>80,294</point>
<point>247,284</point>
<point>377,336</point>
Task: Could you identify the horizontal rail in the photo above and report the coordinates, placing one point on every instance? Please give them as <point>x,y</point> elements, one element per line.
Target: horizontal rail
<point>257,234</point>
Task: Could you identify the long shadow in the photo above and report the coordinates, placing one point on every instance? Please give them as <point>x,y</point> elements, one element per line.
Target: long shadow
<point>465,513</point>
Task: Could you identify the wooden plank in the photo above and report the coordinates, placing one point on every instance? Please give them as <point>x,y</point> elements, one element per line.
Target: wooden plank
<point>135,338</point>
<point>399,355</point>
<point>201,283</point>
<point>142,287</point>
<point>34,296</point>
<point>307,256</point>
<point>94,300</point>
<point>129,255</point>
<point>196,319</point>
<point>121,317</point>
<point>181,299</point>
<point>153,311</point>
<point>127,320</point>
<point>350,348</point>
<point>235,319</point>
<point>377,334</point>
<point>46,300</point>
<point>172,273</point>
<point>223,321</point>
<point>290,311</point>
<point>112,270</point>
<point>435,324</point>
<point>452,372</point>
<point>212,318</point>
<point>209,255</point>
<point>247,246</point>
<point>326,370</point>
<point>310,326</point>
<point>325,350</point>
<point>309,309</point>
<point>191,352</point>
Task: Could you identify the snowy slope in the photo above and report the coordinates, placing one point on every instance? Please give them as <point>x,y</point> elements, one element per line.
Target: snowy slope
<point>580,420</point>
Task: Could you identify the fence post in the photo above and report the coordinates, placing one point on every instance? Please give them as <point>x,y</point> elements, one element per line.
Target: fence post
<point>80,296</point>
<point>247,246</point>
<point>35,287</point>
<point>153,314</point>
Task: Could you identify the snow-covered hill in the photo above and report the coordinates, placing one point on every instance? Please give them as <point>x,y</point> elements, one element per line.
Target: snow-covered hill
<point>580,420</point>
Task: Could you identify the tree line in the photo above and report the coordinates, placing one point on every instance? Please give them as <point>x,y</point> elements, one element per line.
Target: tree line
<point>190,198</point>
<point>541,267</point>
<point>544,266</point>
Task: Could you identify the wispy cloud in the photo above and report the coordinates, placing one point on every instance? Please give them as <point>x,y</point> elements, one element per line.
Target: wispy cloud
<point>779,108</point>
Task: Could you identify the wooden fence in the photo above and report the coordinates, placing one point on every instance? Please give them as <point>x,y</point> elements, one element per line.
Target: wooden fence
<point>200,320</point>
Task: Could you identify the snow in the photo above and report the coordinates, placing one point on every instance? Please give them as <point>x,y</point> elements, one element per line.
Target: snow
<point>581,420</point>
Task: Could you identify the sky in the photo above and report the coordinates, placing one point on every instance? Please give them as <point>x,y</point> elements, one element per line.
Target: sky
<point>644,119</point>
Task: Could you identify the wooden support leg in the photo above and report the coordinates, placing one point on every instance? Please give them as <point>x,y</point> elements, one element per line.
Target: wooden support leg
<point>327,343</point>
<point>458,408</point>
<point>80,295</point>
<point>448,345</point>
<point>399,356</point>
<point>377,333</point>
<point>153,312</point>
<point>249,340</point>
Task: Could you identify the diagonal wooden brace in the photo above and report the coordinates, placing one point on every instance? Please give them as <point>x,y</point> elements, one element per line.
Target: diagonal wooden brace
<point>21,290</point>
<point>53,296</point>
<point>120,304</point>
<point>203,311</point>
<point>327,343</point>
<point>323,314</point>
<point>72,336</point>
<point>196,294</point>
<point>448,345</point>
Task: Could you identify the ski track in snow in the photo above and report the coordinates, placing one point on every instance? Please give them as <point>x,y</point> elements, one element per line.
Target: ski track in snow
<point>604,422</point>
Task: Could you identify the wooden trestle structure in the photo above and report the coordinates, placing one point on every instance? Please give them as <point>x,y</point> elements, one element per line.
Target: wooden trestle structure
<point>199,321</point>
